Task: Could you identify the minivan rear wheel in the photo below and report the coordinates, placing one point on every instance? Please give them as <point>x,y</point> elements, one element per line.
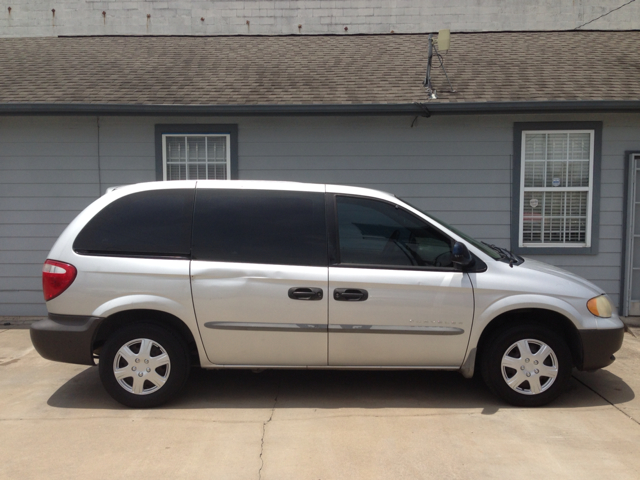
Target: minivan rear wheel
<point>527,365</point>
<point>143,365</point>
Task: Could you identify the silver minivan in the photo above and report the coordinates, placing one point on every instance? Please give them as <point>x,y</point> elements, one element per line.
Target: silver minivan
<point>154,278</point>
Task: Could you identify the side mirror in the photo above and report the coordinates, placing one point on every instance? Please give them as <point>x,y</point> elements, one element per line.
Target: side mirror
<point>460,255</point>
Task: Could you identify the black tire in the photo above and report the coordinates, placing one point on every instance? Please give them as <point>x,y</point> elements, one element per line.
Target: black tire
<point>155,386</point>
<point>542,389</point>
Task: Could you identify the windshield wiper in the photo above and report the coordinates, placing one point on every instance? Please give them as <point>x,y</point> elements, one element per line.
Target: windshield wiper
<point>501,251</point>
<point>504,253</point>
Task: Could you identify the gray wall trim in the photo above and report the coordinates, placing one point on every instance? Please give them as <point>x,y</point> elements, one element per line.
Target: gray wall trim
<point>231,129</point>
<point>358,109</point>
<point>518,128</point>
<point>625,224</point>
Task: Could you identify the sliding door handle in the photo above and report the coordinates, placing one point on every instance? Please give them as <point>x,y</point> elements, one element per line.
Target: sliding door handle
<point>350,294</point>
<point>305,293</point>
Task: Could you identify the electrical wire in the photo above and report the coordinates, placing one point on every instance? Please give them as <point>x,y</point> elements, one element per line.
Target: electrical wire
<point>604,14</point>
<point>433,50</point>
<point>427,81</point>
<point>424,108</point>
<point>441,60</point>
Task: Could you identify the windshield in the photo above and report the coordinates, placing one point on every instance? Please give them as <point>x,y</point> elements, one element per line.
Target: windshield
<point>479,245</point>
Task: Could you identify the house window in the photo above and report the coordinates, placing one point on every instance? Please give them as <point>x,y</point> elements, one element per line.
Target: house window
<point>556,188</point>
<point>196,157</point>
<point>196,151</point>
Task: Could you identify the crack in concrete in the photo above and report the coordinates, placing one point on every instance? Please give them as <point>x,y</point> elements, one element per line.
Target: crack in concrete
<point>607,400</point>
<point>9,362</point>
<point>264,430</point>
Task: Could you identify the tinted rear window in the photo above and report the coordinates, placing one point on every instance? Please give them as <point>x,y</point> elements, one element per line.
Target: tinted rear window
<point>260,226</point>
<point>153,223</point>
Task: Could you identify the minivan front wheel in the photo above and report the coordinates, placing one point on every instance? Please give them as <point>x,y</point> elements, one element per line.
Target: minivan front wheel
<point>527,365</point>
<point>143,365</point>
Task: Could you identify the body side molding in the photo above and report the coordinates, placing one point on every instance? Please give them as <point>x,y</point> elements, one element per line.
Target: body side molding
<point>314,327</point>
<point>387,329</point>
<point>268,327</point>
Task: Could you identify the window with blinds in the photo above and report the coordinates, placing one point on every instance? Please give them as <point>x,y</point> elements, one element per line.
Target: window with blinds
<point>556,188</point>
<point>196,157</point>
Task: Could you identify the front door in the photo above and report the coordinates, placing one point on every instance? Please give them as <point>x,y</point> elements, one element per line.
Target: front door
<point>396,299</point>
<point>259,276</point>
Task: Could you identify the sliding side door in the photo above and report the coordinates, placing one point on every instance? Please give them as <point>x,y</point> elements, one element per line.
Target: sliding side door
<point>259,275</point>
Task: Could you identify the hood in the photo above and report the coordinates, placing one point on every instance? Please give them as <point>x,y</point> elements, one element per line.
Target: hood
<point>535,265</point>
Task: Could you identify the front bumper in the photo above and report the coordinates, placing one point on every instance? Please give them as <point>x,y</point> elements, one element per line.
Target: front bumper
<point>598,347</point>
<point>65,338</point>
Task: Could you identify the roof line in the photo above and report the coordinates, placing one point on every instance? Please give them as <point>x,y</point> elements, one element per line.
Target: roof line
<point>416,108</point>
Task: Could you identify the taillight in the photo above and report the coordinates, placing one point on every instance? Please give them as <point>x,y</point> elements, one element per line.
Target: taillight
<point>56,278</point>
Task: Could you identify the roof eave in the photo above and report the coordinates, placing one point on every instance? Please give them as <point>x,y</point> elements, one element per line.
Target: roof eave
<point>439,108</point>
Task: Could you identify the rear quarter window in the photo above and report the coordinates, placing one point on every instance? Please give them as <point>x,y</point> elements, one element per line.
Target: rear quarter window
<point>153,223</point>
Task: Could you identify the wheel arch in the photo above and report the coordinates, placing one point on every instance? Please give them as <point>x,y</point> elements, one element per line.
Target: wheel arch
<point>128,317</point>
<point>550,319</point>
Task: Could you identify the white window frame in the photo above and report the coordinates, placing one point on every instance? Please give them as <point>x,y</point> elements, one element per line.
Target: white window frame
<point>524,189</point>
<point>207,163</point>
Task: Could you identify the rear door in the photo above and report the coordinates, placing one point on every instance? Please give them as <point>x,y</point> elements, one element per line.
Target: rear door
<point>396,299</point>
<point>259,275</point>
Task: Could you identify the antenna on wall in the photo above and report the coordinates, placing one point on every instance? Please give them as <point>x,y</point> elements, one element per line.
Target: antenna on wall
<point>437,45</point>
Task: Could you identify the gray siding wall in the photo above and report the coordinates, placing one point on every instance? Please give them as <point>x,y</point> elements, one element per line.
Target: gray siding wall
<point>458,168</point>
<point>48,173</point>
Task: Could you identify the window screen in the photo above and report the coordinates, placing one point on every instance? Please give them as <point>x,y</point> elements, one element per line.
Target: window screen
<point>556,186</point>
<point>153,223</point>
<point>372,232</point>
<point>260,226</point>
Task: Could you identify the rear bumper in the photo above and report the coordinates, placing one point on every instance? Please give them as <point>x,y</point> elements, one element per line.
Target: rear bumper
<point>598,347</point>
<point>65,338</point>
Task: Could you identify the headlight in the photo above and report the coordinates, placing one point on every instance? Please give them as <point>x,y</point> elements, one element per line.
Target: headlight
<point>600,306</point>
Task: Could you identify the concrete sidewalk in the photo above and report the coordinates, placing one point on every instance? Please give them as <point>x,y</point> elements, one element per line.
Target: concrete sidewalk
<point>56,421</point>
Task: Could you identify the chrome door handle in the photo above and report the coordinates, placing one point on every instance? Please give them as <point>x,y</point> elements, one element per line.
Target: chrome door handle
<point>305,293</point>
<point>350,294</point>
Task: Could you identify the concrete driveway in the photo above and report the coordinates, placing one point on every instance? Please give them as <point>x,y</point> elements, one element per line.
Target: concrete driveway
<point>57,422</point>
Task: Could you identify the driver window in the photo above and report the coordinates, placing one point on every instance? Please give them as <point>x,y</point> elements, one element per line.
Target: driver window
<point>373,232</point>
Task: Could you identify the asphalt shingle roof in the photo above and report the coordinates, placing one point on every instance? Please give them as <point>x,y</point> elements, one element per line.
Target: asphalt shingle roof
<point>319,70</point>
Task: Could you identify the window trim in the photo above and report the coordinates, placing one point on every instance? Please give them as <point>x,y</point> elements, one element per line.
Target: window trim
<point>593,211</point>
<point>588,189</point>
<point>198,129</point>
